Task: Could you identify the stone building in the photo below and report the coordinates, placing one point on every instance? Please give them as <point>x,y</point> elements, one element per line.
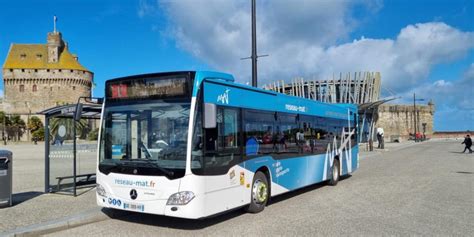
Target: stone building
<point>41,76</point>
<point>398,120</point>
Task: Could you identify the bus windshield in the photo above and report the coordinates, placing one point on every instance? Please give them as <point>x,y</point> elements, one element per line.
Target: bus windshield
<point>145,138</point>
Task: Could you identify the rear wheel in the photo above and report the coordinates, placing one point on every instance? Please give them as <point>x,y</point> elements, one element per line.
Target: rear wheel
<point>259,193</point>
<point>335,173</point>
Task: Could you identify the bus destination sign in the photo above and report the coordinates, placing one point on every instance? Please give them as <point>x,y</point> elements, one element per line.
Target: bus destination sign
<point>148,88</point>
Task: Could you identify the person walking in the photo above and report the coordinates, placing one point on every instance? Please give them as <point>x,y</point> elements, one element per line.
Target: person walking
<point>468,143</point>
<point>380,138</point>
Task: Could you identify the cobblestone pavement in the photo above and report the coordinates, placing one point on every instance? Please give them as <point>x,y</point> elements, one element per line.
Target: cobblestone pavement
<point>30,204</point>
<point>422,189</point>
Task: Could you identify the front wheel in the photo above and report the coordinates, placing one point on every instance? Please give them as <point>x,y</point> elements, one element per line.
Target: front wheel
<point>335,173</point>
<point>259,193</point>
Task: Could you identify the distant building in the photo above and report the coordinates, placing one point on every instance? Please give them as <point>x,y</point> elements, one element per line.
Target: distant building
<point>398,120</point>
<point>357,88</point>
<point>41,76</point>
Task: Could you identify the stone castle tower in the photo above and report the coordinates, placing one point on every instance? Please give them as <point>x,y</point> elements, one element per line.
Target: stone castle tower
<point>40,76</point>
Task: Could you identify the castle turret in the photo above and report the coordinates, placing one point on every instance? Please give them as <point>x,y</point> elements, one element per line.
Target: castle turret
<point>40,76</point>
<point>55,46</point>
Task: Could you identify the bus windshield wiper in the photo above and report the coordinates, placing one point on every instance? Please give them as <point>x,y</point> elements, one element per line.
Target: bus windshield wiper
<point>109,167</point>
<point>155,165</point>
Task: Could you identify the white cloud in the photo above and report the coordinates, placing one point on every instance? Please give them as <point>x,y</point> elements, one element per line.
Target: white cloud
<point>146,7</point>
<point>453,99</point>
<point>311,39</point>
<point>302,38</point>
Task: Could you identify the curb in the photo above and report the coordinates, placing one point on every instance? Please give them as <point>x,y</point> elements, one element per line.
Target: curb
<point>84,218</point>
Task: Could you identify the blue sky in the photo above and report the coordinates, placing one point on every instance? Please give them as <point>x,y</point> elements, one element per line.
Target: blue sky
<point>420,46</point>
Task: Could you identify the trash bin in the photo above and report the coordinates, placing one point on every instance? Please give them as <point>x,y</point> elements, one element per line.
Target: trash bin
<point>5,178</point>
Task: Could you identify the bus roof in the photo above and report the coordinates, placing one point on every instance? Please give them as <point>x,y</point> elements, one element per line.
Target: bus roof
<point>228,80</point>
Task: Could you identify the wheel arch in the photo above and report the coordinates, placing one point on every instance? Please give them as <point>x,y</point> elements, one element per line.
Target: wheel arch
<point>340,164</point>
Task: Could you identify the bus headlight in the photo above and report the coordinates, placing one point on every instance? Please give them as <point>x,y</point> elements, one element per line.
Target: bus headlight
<point>101,190</point>
<point>181,198</point>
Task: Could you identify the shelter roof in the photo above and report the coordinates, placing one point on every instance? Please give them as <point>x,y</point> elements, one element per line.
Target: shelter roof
<point>89,111</point>
<point>373,105</point>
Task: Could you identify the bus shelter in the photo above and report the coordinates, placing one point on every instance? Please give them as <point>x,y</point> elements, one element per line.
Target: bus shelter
<point>71,147</point>
<point>368,116</point>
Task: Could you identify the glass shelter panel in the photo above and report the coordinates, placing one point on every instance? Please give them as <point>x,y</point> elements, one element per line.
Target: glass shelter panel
<point>61,153</point>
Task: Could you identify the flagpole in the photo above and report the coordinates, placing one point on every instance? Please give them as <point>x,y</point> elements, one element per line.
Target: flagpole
<point>54,20</point>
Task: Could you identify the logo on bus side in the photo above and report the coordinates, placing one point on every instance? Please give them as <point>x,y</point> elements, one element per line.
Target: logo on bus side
<point>224,98</point>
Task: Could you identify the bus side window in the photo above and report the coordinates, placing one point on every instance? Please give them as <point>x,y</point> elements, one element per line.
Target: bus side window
<point>289,130</point>
<point>260,133</point>
<point>308,140</point>
<point>222,143</point>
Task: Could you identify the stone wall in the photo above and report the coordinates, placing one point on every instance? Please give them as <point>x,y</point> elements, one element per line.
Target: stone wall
<point>397,120</point>
<point>453,135</point>
<point>28,91</point>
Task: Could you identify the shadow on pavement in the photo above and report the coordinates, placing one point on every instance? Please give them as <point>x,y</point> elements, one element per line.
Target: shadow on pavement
<point>310,188</point>
<point>186,224</point>
<point>18,198</point>
<point>464,172</point>
<point>171,222</point>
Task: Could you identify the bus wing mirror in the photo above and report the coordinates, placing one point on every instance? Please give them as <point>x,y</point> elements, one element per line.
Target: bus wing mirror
<point>210,115</point>
<point>78,112</point>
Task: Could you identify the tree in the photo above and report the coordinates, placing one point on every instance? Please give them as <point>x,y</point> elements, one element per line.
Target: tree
<point>68,123</point>
<point>16,127</point>
<point>16,120</point>
<point>34,124</point>
<point>4,119</point>
<point>38,134</point>
<point>93,135</point>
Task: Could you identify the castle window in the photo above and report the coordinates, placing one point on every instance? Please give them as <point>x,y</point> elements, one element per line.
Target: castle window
<point>22,70</point>
<point>73,88</point>
<point>22,88</point>
<point>36,70</point>
<point>11,70</point>
<point>23,55</point>
<point>72,70</point>
<point>47,70</point>
<point>39,56</point>
<point>60,70</point>
<point>35,88</point>
<point>51,89</point>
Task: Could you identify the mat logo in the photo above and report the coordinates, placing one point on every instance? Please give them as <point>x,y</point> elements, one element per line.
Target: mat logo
<point>138,183</point>
<point>342,151</point>
<point>115,202</point>
<point>224,98</point>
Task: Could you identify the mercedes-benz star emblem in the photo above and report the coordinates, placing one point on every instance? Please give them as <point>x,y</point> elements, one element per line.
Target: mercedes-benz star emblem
<point>133,194</point>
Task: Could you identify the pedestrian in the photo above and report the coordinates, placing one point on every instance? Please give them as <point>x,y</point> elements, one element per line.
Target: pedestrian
<point>380,138</point>
<point>468,143</point>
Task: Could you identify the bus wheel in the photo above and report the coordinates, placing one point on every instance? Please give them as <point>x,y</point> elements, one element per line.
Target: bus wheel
<point>335,173</point>
<point>259,193</point>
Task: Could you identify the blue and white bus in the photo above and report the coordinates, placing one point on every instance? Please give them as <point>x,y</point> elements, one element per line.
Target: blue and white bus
<point>195,144</point>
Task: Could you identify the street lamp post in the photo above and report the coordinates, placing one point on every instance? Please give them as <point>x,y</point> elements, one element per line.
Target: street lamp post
<point>254,55</point>
<point>414,115</point>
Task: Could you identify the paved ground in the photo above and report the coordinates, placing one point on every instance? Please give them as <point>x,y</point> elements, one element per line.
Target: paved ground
<point>30,205</point>
<point>423,189</point>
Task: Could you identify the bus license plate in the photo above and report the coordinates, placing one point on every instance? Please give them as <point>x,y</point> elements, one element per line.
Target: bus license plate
<point>133,206</point>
